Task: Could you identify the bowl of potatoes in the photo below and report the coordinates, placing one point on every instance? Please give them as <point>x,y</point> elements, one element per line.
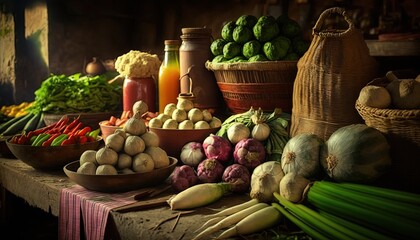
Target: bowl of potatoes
<point>181,123</point>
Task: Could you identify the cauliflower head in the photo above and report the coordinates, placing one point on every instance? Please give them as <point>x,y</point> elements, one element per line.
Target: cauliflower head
<point>138,64</point>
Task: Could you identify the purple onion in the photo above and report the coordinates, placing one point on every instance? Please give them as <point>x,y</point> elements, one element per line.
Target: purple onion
<point>217,147</point>
<point>239,176</point>
<point>249,152</point>
<point>183,177</point>
<point>210,171</point>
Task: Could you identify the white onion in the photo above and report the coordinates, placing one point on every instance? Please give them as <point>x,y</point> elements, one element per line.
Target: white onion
<point>192,154</point>
<point>265,180</point>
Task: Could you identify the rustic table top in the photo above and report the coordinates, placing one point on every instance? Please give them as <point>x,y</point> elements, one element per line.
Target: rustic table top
<point>44,193</point>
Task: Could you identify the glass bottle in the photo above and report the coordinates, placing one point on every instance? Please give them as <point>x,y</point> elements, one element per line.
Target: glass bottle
<point>136,89</point>
<point>168,82</point>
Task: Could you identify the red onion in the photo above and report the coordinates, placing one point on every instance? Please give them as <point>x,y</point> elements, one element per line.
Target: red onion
<point>239,176</point>
<point>217,147</point>
<point>210,171</point>
<point>249,152</point>
<point>183,177</point>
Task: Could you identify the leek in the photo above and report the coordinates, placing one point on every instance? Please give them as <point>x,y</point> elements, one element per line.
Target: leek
<point>313,218</point>
<point>373,217</point>
<point>298,222</point>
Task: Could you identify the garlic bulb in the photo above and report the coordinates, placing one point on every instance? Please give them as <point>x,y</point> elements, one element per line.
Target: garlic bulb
<point>265,180</point>
<point>405,93</point>
<point>375,96</point>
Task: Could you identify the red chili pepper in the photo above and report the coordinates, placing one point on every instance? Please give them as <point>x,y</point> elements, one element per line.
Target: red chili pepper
<point>22,139</point>
<point>84,130</point>
<point>14,139</point>
<point>49,140</point>
<point>63,121</point>
<point>68,141</point>
<point>90,138</point>
<point>75,129</point>
<point>73,138</point>
<point>53,131</point>
<point>30,134</point>
<point>82,139</point>
<point>71,125</point>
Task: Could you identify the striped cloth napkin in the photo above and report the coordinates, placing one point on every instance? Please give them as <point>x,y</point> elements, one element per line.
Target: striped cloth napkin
<point>94,208</point>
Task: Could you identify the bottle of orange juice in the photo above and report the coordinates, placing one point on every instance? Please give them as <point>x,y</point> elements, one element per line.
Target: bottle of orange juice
<point>168,82</point>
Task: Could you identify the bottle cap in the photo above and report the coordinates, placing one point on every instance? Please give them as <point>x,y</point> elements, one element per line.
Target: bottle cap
<point>172,42</point>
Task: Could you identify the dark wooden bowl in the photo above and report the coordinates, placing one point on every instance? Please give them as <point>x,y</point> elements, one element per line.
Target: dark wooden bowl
<point>51,158</point>
<point>4,150</point>
<point>120,182</point>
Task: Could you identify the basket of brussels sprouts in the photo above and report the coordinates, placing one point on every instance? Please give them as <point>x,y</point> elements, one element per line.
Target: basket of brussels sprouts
<point>255,62</point>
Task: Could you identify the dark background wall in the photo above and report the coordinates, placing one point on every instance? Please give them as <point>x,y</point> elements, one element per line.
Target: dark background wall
<point>39,37</point>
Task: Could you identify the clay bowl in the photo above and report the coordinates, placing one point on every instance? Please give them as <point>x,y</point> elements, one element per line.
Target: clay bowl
<point>107,130</point>
<point>4,150</point>
<point>120,182</point>
<point>89,119</point>
<point>51,158</point>
<point>172,140</point>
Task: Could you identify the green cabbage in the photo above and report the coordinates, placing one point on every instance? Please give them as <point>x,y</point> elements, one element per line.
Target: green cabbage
<point>227,31</point>
<point>242,34</point>
<point>266,28</point>
<point>231,50</point>
<point>258,58</point>
<point>217,45</point>
<point>251,48</point>
<point>247,21</point>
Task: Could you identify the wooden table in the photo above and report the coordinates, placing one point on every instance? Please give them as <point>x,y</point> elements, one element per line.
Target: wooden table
<point>42,190</point>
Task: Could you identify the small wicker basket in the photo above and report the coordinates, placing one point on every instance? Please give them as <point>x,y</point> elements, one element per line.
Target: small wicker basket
<point>402,130</point>
<point>267,85</point>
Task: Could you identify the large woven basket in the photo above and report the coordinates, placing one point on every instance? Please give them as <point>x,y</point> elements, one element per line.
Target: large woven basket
<point>267,85</point>
<point>330,76</point>
<point>402,130</point>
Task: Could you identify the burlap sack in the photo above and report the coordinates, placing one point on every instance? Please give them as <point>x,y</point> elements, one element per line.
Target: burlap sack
<point>330,76</point>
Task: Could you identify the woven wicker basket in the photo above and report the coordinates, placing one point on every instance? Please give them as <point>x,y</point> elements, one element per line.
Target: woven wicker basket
<point>402,130</point>
<point>267,85</point>
<point>330,76</point>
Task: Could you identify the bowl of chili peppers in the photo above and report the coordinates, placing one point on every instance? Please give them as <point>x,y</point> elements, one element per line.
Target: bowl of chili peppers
<point>55,145</point>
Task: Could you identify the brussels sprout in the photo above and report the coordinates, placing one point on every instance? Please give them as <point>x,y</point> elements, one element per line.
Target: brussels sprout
<point>218,59</point>
<point>266,28</point>
<point>284,42</point>
<point>258,58</point>
<point>217,45</point>
<point>231,50</point>
<point>242,34</point>
<point>291,56</point>
<point>227,31</point>
<point>276,49</point>
<point>288,27</point>
<point>300,46</point>
<point>238,59</point>
<point>251,48</point>
<point>247,20</point>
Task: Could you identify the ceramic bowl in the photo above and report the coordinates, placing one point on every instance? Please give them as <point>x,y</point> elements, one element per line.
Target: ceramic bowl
<point>120,182</point>
<point>172,140</point>
<point>51,158</point>
<point>107,130</point>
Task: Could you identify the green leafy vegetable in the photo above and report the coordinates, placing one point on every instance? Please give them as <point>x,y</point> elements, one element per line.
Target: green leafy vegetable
<point>77,93</point>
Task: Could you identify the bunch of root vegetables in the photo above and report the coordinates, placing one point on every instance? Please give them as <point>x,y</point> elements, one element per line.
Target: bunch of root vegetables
<point>324,188</point>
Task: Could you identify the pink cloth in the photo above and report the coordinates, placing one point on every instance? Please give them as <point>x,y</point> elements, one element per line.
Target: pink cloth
<point>94,208</point>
